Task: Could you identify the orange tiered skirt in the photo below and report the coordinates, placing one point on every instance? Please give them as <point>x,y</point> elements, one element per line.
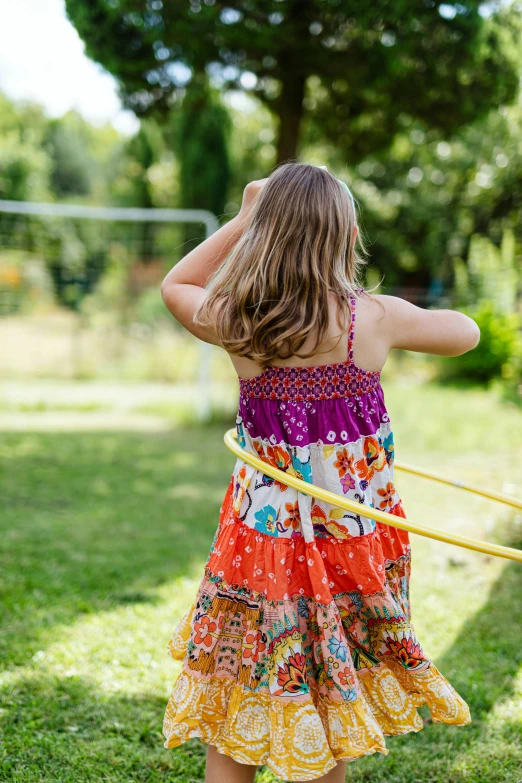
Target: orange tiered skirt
<point>299,654</point>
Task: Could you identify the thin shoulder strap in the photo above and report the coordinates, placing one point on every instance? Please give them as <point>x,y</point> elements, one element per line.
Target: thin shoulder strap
<point>351,331</point>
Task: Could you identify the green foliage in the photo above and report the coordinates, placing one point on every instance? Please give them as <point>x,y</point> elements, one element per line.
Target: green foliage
<point>200,133</point>
<point>26,120</point>
<point>24,170</point>
<point>75,254</point>
<point>429,195</point>
<point>24,166</point>
<point>151,311</point>
<point>354,70</point>
<point>492,278</point>
<point>141,152</point>
<point>66,158</point>
<point>145,172</point>
<point>42,159</point>
<point>252,150</point>
<point>104,534</point>
<point>491,273</point>
<point>72,164</point>
<point>498,353</point>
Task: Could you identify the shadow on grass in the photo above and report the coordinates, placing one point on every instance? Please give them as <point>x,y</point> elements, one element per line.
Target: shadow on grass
<point>98,520</point>
<point>95,520</point>
<point>67,731</point>
<point>482,666</point>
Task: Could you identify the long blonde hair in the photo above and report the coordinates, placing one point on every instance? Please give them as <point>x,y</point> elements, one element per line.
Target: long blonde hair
<point>271,292</point>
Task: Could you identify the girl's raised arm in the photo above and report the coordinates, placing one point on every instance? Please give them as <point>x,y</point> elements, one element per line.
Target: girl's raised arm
<point>442,332</point>
<point>183,288</point>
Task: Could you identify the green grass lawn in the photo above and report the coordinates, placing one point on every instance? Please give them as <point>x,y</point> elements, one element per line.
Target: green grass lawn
<point>104,536</point>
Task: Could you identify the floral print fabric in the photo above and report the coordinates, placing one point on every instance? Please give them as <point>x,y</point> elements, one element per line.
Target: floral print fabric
<point>299,650</point>
<point>361,471</point>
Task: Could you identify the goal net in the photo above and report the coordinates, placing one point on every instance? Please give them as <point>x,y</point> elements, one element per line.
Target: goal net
<point>80,294</point>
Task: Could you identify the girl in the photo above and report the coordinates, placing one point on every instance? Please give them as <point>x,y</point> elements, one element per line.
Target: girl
<point>299,651</point>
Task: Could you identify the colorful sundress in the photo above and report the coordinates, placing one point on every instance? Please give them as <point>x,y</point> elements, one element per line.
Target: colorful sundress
<point>298,650</point>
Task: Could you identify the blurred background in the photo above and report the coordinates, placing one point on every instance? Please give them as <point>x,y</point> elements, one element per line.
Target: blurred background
<point>181,106</point>
<point>112,481</point>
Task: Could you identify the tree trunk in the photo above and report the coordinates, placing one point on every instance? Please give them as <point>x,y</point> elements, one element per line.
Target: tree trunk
<point>290,115</point>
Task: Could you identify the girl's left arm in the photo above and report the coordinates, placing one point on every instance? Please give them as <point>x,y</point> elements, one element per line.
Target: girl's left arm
<point>183,289</point>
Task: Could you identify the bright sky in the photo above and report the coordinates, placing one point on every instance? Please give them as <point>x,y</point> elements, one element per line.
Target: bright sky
<point>42,59</point>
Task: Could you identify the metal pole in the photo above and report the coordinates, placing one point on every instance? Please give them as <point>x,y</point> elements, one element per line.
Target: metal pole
<point>134,214</point>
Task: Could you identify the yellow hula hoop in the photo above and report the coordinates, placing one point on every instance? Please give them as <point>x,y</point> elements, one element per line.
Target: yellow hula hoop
<point>486,493</point>
<point>289,480</point>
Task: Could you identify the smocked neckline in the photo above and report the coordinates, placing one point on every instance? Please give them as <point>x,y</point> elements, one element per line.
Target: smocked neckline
<point>317,382</point>
<point>273,369</point>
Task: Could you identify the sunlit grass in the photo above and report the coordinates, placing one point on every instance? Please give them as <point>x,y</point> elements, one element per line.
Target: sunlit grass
<point>104,536</point>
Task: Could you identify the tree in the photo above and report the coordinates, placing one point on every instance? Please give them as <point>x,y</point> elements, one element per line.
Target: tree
<point>144,150</point>
<point>66,141</point>
<point>24,165</point>
<point>428,196</point>
<point>354,68</point>
<point>42,159</point>
<point>140,153</point>
<point>199,133</point>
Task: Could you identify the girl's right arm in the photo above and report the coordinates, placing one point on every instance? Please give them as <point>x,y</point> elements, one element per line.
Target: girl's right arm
<point>184,287</point>
<point>412,328</point>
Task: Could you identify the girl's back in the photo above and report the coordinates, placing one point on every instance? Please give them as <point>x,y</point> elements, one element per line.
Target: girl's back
<point>298,650</point>
<point>326,424</point>
<point>369,347</point>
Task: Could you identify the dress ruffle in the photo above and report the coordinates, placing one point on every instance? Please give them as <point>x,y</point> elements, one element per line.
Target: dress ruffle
<point>277,568</point>
<point>302,737</point>
<point>298,654</point>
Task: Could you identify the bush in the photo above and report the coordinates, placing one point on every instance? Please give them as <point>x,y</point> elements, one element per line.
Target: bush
<point>498,354</point>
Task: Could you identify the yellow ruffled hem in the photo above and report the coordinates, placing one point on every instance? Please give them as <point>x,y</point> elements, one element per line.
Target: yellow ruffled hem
<point>303,740</point>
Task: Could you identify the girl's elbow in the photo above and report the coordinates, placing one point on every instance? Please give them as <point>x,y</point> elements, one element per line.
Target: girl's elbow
<point>168,289</point>
<point>471,337</point>
<point>476,334</point>
<point>164,290</point>
<point>168,294</point>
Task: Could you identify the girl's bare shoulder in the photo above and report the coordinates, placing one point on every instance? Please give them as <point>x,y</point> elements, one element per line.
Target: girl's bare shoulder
<point>437,331</point>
